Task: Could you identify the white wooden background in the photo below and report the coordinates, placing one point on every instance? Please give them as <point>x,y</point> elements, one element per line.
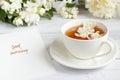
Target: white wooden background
<point>50,30</point>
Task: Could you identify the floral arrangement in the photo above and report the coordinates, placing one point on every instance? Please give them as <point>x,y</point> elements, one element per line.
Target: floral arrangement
<point>25,12</point>
<point>102,8</point>
<point>68,9</point>
<point>28,12</point>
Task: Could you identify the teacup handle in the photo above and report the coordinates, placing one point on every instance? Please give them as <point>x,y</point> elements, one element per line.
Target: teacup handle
<point>110,48</point>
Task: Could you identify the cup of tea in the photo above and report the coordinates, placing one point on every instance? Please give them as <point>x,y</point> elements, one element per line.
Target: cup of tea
<point>84,38</point>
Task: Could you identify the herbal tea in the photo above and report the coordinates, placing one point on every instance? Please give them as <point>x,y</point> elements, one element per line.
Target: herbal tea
<point>85,32</point>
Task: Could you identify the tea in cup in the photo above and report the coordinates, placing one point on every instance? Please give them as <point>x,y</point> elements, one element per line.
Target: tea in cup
<point>83,38</point>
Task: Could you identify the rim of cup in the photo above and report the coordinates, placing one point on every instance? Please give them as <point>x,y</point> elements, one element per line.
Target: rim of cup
<point>69,22</point>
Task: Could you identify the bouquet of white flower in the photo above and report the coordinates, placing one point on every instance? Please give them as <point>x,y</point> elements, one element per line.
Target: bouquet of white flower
<point>68,9</point>
<point>28,12</point>
<point>101,8</point>
<point>25,12</point>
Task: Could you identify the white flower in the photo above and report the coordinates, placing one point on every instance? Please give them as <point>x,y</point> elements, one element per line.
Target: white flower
<point>67,1</point>
<point>40,6</point>
<point>46,3</point>
<point>10,7</point>
<point>75,12</point>
<point>10,16</point>
<point>95,35</point>
<point>61,6</point>
<point>17,21</point>
<point>30,18</point>
<point>87,3</point>
<point>52,1</point>
<point>86,30</point>
<point>28,12</point>
<point>31,7</point>
<point>48,6</point>
<point>15,7</point>
<point>5,5</point>
<point>67,12</point>
<point>102,8</point>
<point>16,1</point>
<point>42,11</point>
<point>64,14</point>
<point>43,1</point>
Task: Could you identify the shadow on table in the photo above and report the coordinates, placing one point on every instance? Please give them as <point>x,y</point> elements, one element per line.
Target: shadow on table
<point>63,69</point>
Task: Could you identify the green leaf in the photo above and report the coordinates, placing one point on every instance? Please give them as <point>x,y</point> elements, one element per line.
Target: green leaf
<point>70,5</point>
<point>24,23</point>
<point>43,6</point>
<point>33,1</point>
<point>8,1</point>
<point>9,20</point>
<point>49,14</point>
<point>15,14</point>
<point>53,9</point>
<point>24,1</point>
<point>2,15</point>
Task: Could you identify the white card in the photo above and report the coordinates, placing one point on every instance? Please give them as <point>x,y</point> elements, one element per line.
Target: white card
<point>23,55</point>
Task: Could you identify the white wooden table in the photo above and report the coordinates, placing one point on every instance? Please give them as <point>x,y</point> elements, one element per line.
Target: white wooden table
<point>50,30</point>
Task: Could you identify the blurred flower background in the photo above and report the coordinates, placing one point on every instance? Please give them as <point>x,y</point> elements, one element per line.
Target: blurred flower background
<point>25,12</point>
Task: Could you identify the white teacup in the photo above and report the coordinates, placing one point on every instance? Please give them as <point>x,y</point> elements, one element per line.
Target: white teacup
<point>85,49</point>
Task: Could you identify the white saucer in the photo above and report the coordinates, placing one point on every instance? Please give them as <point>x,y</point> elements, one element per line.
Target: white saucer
<point>59,53</point>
